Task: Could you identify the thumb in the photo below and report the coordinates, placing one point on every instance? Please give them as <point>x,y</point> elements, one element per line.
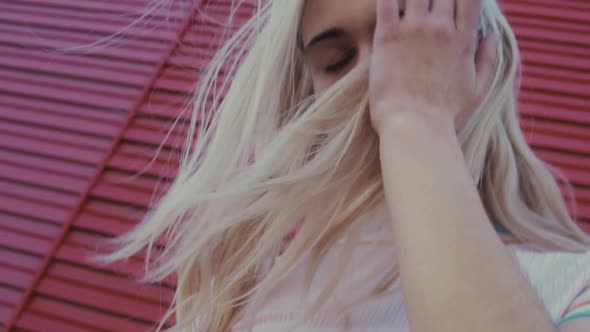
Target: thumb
<point>485,63</point>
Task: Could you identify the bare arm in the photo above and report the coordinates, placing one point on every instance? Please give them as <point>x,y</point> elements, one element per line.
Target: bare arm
<point>456,274</point>
<point>429,72</point>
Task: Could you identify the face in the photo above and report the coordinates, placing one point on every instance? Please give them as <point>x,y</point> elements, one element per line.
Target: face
<point>336,35</point>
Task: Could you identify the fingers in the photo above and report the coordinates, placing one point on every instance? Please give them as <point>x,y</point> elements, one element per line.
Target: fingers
<point>443,8</point>
<point>485,63</point>
<point>416,8</point>
<point>387,19</point>
<point>468,12</point>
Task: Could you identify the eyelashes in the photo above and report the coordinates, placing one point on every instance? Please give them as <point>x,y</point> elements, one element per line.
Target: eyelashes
<point>340,64</point>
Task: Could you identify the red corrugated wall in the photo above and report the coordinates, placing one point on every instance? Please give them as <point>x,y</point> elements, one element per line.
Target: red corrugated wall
<point>75,126</point>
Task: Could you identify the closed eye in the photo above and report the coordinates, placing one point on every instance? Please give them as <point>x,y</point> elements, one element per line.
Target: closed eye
<point>337,66</point>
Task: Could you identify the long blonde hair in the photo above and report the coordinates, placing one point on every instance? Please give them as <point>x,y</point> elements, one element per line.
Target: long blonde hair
<point>263,152</point>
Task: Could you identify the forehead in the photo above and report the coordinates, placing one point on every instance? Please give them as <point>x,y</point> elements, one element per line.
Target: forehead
<point>352,15</point>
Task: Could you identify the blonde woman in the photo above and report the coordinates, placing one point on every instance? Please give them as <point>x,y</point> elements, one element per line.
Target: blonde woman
<point>366,172</point>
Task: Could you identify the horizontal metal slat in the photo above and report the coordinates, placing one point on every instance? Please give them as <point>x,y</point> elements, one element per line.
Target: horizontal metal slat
<point>81,255</point>
<point>74,137</point>
<point>572,65</point>
<point>117,285</point>
<point>9,296</point>
<point>38,194</point>
<point>553,113</point>
<point>111,226</point>
<point>46,164</point>
<point>573,52</point>
<point>569,4</point>
<point>82,59</point>
<point>548,36</point>
<point>114,210</point>
<point>139,183</point>
<point>108,8</point>
<point>21,223</point>
<point>530,96</point>
<point>80,246</point>
<point>563,159</point>
<point>578,80</point>
<point>19,260</point>
<point>135,165</point>
<point>164,164</point>
<point>66,109</point>
<point>544,12</point>
<point>60,41</point>
<point>575,131</point>
<point>220,11</point>
<point>143,135</point>
<point>77,314</point>
<point>579,178</point>
<point>49,149</point>
<point>37,177</point>
<point>5,312</point>
<point>167,106</point>
<point>176,84</point>
<point>103,8</point>
<point>47,90</point>
<point>50,64</point>
<point>189,62</point>
<point>25,242</point>
<point>159,168</point>
<point>580,194</point>
<point>94,297</point>
<point>98,223</point>
<point>32,209</point>
<point>173,133</point>
<point>79,91</point>
<point>558,142</point>
<point>567,88</point>
<point>144,152</point>
<point>529,107</point>
<point>92,25</point>
<point>121,194</point>
<point>32,321</point>
<point>57,121</point>
<point>14,277</point>
<point>182,72</point>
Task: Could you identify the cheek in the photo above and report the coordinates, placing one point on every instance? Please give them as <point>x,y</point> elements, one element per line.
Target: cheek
<point>315,76</point>
<point>320,82</point>
<point>320,85</point>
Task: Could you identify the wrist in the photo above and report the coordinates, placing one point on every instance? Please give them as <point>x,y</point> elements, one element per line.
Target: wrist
<point>429,138</point>
<point>434,124</point>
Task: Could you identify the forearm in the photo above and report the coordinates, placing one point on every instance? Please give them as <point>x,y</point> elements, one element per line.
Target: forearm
<point>456,274</point>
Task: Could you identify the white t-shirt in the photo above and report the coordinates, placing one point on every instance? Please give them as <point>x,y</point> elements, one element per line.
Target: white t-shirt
<point>561,280</point>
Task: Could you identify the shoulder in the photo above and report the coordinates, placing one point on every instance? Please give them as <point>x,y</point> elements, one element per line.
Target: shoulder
<point>560,278</point>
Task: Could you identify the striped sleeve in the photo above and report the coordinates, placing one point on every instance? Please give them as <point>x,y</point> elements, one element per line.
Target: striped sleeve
<point>561,279</point>
<point>580,307</point>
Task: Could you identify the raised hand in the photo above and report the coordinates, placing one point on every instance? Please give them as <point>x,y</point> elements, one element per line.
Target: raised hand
<point>429,60</point>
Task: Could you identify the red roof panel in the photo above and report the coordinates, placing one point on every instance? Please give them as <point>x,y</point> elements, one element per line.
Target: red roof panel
<point>76,126</point>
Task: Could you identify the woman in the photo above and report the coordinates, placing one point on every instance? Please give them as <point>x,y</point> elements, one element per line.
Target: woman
<point>366,172</point>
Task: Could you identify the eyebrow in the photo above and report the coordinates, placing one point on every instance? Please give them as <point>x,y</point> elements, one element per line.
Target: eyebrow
<point>332,33</point>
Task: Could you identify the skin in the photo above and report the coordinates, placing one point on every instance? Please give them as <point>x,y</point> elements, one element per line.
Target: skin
<point>427,73</point>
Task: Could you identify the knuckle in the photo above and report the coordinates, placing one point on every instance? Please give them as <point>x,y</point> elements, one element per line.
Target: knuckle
<point>386,34</point>
<point>415,27</point>
<point>441,30</point>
